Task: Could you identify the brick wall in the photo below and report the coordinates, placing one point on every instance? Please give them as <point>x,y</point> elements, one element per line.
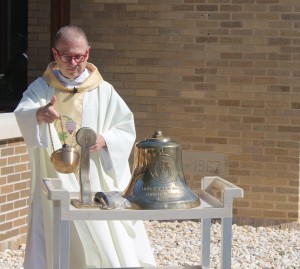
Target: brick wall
<point>39,46</point>
<point>14,184</point>
<point>216,76</point>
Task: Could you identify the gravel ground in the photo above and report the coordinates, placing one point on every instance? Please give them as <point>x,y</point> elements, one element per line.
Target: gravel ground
<point>177,243</point>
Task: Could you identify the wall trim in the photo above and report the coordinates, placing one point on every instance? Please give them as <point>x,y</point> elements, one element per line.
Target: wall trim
<point>8,126</point>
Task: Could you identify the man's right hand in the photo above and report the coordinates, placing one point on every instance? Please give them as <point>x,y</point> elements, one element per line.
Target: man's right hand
<point>47,113</point>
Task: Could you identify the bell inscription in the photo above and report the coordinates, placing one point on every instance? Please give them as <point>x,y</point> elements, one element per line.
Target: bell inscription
<point>170,193</point>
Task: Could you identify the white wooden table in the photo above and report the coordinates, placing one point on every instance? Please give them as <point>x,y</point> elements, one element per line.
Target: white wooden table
<point>210,208</point>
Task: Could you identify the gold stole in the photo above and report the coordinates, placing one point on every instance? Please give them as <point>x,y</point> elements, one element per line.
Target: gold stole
<point>69,103</point>
<point>69,107</point>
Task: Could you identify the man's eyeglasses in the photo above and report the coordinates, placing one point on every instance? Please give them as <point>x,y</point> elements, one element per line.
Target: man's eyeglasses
<point>67,59</point>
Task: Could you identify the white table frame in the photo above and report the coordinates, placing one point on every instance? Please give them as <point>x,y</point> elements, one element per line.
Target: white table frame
<point>210,208</point>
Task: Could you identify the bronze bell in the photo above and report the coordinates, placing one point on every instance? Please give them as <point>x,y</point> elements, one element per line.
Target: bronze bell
<point>157,181</point>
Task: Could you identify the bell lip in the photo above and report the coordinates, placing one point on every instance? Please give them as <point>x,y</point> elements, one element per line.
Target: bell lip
<point>164,205</point>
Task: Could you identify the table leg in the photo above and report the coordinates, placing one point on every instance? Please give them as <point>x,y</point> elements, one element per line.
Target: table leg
<point>56,236</point>
<point>226,240</point>
<point>65,245</point>
<point>205,242</point>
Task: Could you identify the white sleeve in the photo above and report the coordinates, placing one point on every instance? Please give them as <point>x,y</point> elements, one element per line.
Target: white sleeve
<point>38,94</point>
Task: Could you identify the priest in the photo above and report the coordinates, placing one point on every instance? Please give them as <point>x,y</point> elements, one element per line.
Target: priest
<point>72,94</point>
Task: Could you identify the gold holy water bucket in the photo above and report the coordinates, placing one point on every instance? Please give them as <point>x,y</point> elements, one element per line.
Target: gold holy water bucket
<point>66,159</point>
<point>157,181</point>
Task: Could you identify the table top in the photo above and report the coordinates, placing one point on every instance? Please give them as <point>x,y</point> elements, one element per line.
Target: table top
<point>210,207</point>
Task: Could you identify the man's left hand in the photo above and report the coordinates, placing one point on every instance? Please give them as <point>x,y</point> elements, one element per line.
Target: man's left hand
<point>100,143</point>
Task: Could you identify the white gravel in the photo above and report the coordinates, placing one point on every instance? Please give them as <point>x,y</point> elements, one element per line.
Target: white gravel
<point>177,243</point>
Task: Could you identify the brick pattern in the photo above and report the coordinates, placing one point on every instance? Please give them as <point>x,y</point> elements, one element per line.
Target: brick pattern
<point>217,76</point>
<point>39,46</point>
<point>14,192</point>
